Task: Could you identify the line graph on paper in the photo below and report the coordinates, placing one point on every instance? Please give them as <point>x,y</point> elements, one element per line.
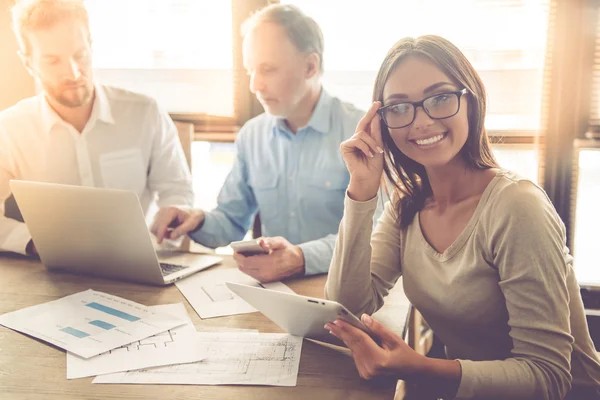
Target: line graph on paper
<point>154,342</point>
<point>232,358</point>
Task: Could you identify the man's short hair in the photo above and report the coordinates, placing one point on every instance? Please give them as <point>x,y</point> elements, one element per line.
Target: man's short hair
<point>31,15</point>
<point>301,29</point>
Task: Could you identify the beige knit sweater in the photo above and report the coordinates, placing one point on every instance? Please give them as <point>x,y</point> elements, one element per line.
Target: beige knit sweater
<point>503,297</point>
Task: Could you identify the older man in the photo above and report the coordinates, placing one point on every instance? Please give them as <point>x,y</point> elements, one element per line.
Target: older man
<point>288,164</point>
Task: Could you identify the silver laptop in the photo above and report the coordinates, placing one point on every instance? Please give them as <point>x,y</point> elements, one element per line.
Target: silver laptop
<point>98,231</point>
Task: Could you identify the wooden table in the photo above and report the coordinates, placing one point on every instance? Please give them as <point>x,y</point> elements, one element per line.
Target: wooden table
<point>31,369</point>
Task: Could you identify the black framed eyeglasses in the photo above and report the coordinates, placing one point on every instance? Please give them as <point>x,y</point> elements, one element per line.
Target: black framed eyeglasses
<point>437,106</point>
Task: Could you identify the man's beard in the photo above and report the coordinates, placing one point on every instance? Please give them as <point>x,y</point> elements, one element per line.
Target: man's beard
<point>70,96</point>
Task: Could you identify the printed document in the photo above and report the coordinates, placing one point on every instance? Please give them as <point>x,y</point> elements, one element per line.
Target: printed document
<point>174,346</point>
<point>90,323</point>
<point>232,359</point>
<point>210,297</point>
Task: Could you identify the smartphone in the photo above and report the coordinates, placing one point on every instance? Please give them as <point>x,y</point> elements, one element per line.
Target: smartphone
<point>249,248</point>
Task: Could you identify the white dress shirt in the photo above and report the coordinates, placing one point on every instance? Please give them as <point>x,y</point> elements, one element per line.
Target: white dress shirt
<point>128,143</point>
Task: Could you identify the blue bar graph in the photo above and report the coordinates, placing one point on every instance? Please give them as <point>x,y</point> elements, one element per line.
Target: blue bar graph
<point>75,332</point>
<point>113,311</point>
<point>102,324</point>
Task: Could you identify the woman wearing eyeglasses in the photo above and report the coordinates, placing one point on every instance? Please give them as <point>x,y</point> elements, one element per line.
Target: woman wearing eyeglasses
<point>481,251</point>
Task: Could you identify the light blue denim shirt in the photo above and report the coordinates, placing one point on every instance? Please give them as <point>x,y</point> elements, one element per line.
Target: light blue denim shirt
<point>296,181</point>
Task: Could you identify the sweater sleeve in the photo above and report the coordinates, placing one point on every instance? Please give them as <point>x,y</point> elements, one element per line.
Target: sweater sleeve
<point>364,267</point>
<point>527,242</point>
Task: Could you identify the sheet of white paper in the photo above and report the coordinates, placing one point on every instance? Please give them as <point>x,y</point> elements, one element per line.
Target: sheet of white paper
<point>89,323</point>
<point>233,359</point>
<point>223,329</point>
<point>172,347</point>
<point>207,293</point>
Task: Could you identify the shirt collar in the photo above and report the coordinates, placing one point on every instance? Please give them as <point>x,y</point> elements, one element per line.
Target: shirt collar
<point>320,120</point>
<point>100,110</point>
<point>102,105</point>
<point>49,117</point>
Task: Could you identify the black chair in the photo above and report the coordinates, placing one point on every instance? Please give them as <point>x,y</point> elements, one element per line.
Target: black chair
<point>11,209</point>
<point>256,227</point>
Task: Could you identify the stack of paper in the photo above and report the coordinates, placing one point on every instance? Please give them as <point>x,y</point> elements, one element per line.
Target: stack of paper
<point>121,341</point>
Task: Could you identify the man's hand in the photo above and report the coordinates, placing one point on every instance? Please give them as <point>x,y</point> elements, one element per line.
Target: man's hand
<point>173,222</point>
<point>283,261</point>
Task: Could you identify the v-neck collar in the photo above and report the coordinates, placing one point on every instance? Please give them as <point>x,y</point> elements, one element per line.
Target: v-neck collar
<point>460,241</point>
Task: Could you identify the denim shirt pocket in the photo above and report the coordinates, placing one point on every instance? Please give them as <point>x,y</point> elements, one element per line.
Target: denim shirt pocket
<point>323,195</point>
<point>266,191</point>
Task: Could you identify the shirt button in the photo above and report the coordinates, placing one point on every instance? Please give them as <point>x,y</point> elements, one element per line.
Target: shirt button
<point>292,214</point>
<point>291,177</point>
<point>328,184</point>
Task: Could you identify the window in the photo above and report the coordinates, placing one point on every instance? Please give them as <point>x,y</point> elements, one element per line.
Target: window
<point>504,39</point>
<point>177,51</point>
<point>587,215</point>
<point>586,187</point>
<point>519,158</point>
<point>211,163</point>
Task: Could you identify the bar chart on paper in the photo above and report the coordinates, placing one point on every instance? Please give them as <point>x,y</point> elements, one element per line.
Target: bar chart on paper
<point>171,347</point>
<point>94,326</point>
<point>89,323</point>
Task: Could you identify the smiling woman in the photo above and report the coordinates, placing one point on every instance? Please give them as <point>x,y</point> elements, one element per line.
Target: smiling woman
<point>456,224</point>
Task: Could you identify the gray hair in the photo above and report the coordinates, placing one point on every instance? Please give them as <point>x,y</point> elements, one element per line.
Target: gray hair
<point>301,29</point>
<point>29,15</point>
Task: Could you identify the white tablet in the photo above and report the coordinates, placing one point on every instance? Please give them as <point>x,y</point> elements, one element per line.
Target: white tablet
<point>298,315</point>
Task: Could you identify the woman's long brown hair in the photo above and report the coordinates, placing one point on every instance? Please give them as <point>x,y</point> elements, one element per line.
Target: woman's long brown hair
<point>410,184</point>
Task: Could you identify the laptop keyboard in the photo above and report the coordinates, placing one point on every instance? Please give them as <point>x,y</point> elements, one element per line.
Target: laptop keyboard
<point>168,269</point>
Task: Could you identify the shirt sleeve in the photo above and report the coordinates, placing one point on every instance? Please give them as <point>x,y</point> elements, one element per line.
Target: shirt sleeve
<point>317,254</point>
<point>527,239</point>
<point>364,267</point>
<point>14,235</point>
<point>169,175</point>
<point>236,206</point>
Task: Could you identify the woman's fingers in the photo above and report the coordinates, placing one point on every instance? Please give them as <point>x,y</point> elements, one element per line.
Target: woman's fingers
<point>358,144</point>
<point>358,343</point>
<point>365,143</point>
<point>370,141</point>
<point>365,121</point>
<point>376,131</point>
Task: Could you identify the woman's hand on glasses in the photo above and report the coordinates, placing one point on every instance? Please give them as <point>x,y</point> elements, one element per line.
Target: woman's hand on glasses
<point>363,155</point>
